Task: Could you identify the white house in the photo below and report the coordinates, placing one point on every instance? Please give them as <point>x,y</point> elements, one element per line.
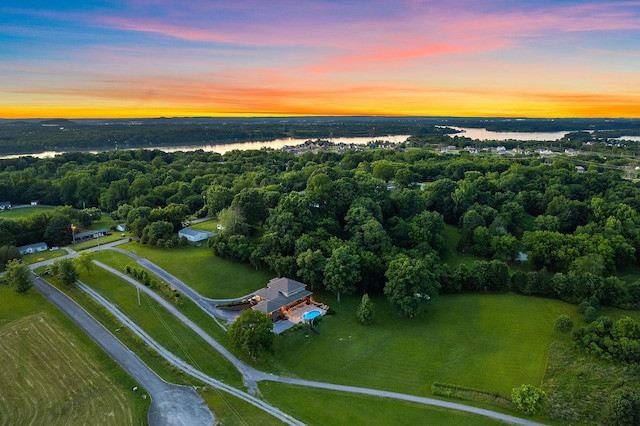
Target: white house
<point>193,235</point>
<point>33,248</point>
<point>5,205</point>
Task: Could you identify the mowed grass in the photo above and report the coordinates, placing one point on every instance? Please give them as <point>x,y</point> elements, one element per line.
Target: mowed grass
<point>321,407</point>
<point>207,225</point>
<point>487,342</point>
<point>162,326</point>
<point>23,212</point>
<point>207,274</point>
<point>54,374</point>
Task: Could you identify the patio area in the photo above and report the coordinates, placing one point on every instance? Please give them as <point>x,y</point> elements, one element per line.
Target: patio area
<point>295,315</point>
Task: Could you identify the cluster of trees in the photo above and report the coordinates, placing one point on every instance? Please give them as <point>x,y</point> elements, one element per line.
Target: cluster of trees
<point>619,340</point>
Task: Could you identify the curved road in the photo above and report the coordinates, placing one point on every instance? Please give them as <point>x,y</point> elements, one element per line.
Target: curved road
<point>170,404</point>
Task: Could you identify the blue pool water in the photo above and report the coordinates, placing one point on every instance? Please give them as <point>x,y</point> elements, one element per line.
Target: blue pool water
<point>311,315</point>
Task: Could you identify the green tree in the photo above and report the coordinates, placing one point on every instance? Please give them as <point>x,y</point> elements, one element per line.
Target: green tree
<point>564,325</point>
<point>65,271</point>
<point>528,398</point>
<point>58,230</point>
<point>623,407</point>
<point>366,311</point>
<point>311,267</point>
<point>252,333</point>
<point>19,275</point>
<point>85,261</point>
<point>342,270</point>
<point>7,253</point>
<point>411,283</point>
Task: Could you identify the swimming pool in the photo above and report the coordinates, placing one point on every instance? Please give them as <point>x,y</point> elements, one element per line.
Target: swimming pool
<point>307,316</point>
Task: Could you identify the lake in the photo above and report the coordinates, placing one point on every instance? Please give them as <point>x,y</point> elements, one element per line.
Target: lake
<point>242,146</point>
<point>489,135</point>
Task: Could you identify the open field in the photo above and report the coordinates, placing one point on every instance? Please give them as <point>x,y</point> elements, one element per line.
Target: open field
<point>323,407</point>
<point>209,275</point>
<point>22,212</point>
<point>53,374</point>
<point>487,342</point>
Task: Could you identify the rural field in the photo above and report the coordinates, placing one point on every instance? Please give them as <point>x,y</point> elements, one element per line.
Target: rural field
<point>53,374</point>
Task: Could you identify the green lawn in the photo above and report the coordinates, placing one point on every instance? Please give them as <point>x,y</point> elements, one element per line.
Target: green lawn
<point>208,225</point>
<point>487,342</point>
<point>71,345</point>
<point>320,407</point>
<point>209,275</point>
<point>43,255</point>
<point>23,212</point>
<point>162,326</point>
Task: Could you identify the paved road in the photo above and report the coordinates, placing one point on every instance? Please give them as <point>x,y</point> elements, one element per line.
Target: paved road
<point>170,404</point>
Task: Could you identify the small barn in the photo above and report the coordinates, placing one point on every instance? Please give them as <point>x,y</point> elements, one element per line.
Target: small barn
<point>33,248</point>
<point>193,235</point>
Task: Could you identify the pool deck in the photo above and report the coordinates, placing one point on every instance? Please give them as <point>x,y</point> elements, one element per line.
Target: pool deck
<point>295,316</point>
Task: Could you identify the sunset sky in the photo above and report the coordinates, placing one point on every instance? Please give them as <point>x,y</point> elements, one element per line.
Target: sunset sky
<point>144,58</point>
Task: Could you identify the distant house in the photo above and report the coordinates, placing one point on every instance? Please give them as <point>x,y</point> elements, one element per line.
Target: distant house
<point>580,169</point>
<point>34,203</point>
<point>90,235</point>
<point>193,235</point>
<point>33,248</point>
<point>5,205</point>
<point>280,295</point>
<point>121,227</point>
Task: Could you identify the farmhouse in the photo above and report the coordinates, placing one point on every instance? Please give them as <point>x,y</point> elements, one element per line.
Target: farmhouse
<point>5,205</point>
<point>281,296</point>
<point>33,248</point>
<point>193,235</point>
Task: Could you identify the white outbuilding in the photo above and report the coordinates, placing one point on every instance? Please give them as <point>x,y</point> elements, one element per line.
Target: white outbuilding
<point>193,235</point>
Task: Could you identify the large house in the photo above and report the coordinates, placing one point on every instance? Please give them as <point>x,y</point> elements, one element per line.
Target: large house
<point>280,296</point>
<point>33,248</point>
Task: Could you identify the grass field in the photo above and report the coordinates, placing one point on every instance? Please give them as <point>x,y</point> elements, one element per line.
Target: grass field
<point>54,374</point>
<point>44,255</point>
<point>208,225</point>
<point>22,212</point>
<point>209,275</point>
<point>487,342</point>
<point>322,407</point>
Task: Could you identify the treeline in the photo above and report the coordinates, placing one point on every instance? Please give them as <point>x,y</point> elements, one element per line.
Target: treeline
<point>65,135</point>
<point>370,221</point>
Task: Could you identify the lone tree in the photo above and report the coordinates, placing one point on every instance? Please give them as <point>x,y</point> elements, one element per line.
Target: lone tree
<point>564,325</point>
<point>19,276</point>
<point>65,271</point>
<point>366,311</point>
<point>528,398</point>
<point>410,284</point>
<point>84,261</point>
<point>251,333</point>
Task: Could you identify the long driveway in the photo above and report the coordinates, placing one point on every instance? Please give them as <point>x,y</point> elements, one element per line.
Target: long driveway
<point>170,404</point>
<point>250,374</point>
